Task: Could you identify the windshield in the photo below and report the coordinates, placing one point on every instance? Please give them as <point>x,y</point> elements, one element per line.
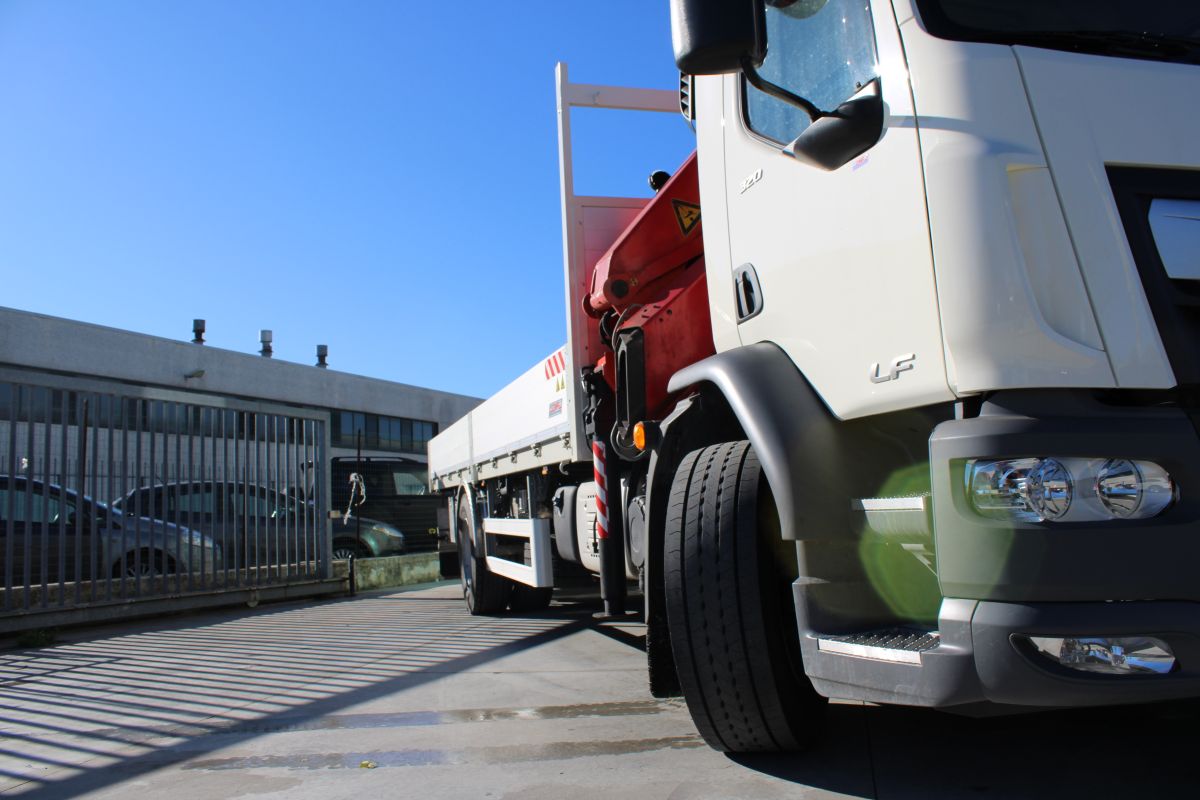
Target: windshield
<point>1167,30</point>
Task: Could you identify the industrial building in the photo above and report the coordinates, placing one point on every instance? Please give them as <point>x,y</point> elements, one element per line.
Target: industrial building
<point>139,468</point>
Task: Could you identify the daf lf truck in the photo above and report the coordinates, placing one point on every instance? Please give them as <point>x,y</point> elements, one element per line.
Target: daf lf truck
<point>891,391</point>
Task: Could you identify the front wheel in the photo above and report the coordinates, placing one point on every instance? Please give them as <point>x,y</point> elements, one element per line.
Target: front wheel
<point>485,592</point>
<point>144,564</point>
<point>729,605</point>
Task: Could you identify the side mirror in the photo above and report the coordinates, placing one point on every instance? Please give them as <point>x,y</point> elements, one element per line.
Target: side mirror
<point>842,135</point>
<point>712,37</point>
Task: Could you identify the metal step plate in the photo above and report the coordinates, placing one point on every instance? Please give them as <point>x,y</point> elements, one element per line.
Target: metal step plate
<point>898,645</point>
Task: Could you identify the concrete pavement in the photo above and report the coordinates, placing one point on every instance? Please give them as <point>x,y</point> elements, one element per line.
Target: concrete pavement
<point>403,694</point>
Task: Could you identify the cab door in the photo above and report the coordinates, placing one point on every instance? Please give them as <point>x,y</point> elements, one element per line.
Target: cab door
<point>834,266</point>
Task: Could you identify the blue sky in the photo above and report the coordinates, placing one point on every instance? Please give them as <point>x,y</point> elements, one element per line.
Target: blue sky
<point>378,176</point>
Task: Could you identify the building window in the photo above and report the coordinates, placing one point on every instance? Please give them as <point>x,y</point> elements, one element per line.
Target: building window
<point>382,433</point>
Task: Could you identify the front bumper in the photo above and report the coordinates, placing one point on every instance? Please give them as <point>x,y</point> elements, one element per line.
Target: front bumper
<point>1003,578</point>
<point>976,660</point>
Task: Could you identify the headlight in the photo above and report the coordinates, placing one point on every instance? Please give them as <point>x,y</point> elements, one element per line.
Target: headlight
<point>1050,490</point>
<point>1068,489</point>
<point>1134,489</point>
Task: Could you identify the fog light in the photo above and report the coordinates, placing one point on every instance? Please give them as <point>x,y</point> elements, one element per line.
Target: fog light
<point>1107,655</point>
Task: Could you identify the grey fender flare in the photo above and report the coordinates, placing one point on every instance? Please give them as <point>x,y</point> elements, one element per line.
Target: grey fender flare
<point>806,453</point>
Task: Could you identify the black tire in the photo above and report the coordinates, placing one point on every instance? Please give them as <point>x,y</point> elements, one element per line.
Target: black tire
<point>729,606</point>
<point>485,592</point>
<point>146,564</point>
<point>448,561</point>
<point>527,598</point>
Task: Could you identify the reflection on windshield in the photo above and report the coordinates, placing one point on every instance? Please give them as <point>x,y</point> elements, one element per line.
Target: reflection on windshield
<point>1163,29</point>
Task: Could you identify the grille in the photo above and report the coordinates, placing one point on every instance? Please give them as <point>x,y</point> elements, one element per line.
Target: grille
<point>1175,303</point>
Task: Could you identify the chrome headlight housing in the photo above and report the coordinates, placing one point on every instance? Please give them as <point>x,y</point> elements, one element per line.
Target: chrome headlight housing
<point>1068,489</point>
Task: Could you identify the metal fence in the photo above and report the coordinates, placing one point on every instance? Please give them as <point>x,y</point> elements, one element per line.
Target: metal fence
<point>110,493</point>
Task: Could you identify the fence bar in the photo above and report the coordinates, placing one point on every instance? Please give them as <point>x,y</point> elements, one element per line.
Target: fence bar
<point>292,518</point>
<point>124,483</point>
<point>273,481</point>
<point>324,546</point>
<point>43,522</point>
<point>81,412</point>
<point>109,493</point>
<point>10,498</point>
<point>62,517</point>
<point>210,497</point>
<point>226,498</point>
<point>309,475</point>
<point>27,510</point>
<point>238,466</point>
<point>191,494</point>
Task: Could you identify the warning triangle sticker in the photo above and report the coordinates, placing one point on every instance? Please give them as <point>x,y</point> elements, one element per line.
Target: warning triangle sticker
<point>687,215</point>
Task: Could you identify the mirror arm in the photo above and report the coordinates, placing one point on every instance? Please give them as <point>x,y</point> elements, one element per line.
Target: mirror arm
<point>766,87</point>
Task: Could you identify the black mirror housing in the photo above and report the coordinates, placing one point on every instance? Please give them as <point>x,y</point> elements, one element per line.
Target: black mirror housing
<point>712,37</point>
<point>837,138</point>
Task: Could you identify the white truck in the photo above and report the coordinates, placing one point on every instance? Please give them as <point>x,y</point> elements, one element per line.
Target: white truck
<point>912,415</point>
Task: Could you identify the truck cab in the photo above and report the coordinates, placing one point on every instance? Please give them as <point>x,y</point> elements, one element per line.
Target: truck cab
<point>970,232</point>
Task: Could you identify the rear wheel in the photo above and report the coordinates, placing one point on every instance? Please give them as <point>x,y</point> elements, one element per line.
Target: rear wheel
<point>729,606</point>
<point>484,591</point>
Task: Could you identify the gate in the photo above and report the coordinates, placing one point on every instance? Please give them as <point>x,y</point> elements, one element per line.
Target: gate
<point>112,493</point>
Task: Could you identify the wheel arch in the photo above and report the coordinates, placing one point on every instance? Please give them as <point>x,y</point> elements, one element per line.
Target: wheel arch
<point>814,464</point>
<point>753,393</point>
<point>777,409</point>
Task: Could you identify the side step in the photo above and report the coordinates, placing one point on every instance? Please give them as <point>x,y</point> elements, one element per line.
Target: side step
<point>535,568</point>
<point>895,645</point>
<point>896,516</point>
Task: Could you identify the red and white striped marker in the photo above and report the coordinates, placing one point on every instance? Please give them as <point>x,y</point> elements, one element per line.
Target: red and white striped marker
<point>554,365</point>
<point>601,490</point>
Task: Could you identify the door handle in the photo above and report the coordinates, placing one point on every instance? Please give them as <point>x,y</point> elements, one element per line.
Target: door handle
<point>748,292</point>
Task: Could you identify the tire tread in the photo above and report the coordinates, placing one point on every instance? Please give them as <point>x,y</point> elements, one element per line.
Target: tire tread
<point>740,685</point>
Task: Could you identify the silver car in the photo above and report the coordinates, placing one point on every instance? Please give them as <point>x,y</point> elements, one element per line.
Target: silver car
<point>51,534</point>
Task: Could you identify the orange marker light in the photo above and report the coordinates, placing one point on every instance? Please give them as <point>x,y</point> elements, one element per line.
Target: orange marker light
<point>639,436</point>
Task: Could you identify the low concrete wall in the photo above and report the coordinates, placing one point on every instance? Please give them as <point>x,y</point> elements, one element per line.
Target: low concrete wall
<point>125,610</point>
<point>381,573</point>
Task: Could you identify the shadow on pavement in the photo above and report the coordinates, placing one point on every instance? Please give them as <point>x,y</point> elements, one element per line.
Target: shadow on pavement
<point>1134,751</point>
<point>87,715</point>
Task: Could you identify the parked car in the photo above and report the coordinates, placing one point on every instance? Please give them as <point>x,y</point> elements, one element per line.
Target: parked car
<point>396,491</point>
<point>45,514</point>
<point>254,524</point>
